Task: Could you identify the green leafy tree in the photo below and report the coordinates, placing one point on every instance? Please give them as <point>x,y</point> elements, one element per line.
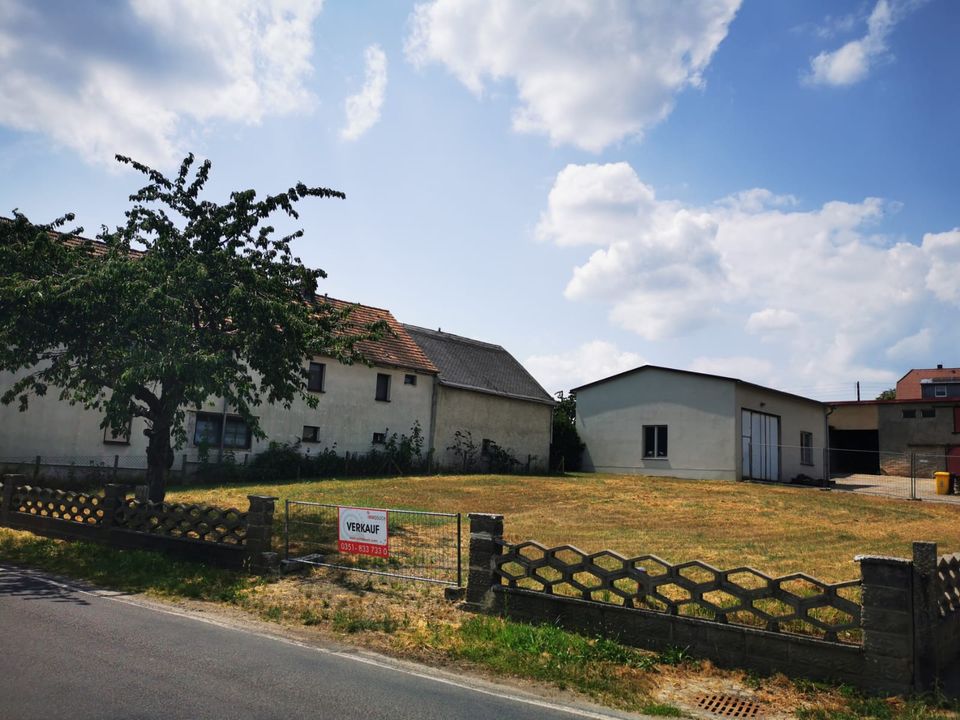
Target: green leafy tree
<point>212,304</point>
<point>890,394</point>
<point>566,449</point>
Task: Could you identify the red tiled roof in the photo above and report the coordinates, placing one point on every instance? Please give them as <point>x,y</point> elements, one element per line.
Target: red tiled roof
<point>396,348</point>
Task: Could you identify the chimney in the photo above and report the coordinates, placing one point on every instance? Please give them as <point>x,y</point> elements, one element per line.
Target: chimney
<point>308,287</point>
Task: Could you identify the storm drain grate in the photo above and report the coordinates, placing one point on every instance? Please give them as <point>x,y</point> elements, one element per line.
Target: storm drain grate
<point>728,706</point>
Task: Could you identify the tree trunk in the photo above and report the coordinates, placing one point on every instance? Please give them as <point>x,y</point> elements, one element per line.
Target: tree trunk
<point>159,460</point>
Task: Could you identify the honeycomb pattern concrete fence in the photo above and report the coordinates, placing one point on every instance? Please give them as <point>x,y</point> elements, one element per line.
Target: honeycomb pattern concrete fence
<point>948,575</point>
<point>790,603</point>
<point>222,536</point>
<point>893,630</point>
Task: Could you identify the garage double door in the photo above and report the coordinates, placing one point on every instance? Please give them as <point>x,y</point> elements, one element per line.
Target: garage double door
<point>760,445</point>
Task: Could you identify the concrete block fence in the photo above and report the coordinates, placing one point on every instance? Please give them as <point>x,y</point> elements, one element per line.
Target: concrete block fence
<point>898,637</point>
<point>226,537</point>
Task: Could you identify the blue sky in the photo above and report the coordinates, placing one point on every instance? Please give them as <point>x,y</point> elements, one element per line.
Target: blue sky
<point>765,189</point>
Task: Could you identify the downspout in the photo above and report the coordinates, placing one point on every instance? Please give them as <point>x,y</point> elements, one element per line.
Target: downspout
<point>826,445</point>
<point>431,434</point>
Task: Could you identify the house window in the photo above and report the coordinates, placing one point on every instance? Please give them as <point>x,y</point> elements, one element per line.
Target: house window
<point>318,373</point>
<point>907,414</point>
<point>806,448</point>
<point>311,433</point>
<point>380,438</point>
<point>383,387</point>
<point>486,446</point>
<point>939,390</point>
<point>928,412</point>
<point>956,419</point>
<point>120,438</point>
<point>409,379</point>
<point>655,441</point>
<point>236,434</point>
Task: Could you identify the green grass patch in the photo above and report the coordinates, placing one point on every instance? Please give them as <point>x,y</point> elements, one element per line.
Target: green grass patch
<point>601,668</point>
<point>138,571</point>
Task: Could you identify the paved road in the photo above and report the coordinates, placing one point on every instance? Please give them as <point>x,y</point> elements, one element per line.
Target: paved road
<point>68,652</point>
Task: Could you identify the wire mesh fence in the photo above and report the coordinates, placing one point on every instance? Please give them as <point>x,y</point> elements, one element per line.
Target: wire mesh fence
<point>413,545</point>
<point>909,475</point>
<point>76,471</point>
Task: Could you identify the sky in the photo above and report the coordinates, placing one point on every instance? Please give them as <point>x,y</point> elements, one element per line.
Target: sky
<point>765,189</point>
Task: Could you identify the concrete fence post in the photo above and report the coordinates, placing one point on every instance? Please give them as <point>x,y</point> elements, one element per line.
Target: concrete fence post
<point>926,614</point>
<point>113,496</point>
<point>259,540</point>
<point>887,622</point>
<point>486,543</point>
<point>6,501</point>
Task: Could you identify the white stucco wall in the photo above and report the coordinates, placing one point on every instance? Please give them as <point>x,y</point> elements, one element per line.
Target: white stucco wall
<point>520,426</point>
<point>698,412</point>
<point>51,427</point>
<point>347,414</point>
<point>796,415</point>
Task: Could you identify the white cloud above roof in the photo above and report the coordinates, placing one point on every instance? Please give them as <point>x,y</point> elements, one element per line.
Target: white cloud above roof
<point>587,74</point>
<point>141,78</point>
<point>363,109</point>
<point>666,270</point>
<point>588,362</point>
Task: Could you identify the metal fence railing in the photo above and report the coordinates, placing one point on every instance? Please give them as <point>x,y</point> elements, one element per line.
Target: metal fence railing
<point>405,544</point>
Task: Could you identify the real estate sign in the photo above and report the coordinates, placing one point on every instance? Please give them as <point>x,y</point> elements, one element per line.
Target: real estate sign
<point>363,531</point>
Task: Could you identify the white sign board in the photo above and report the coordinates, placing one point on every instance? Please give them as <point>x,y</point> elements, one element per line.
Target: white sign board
<point>363,531</point>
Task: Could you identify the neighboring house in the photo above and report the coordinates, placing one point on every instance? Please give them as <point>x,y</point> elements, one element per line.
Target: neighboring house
<point>934,384</point>
<point>661,421</point>
<point>481,388</point>
<point>890,436</point>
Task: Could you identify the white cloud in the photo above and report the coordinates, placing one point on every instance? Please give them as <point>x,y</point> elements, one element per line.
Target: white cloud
<point>912,347</point>
<point>754,269</point>
<point>139,78</point>
<point>586,74</point>
<point>741,367</point>
<point>363,109</point>
<point>943,249</point>
<point>851,63</point>
<point>591,361</point>
<point>771,320</point>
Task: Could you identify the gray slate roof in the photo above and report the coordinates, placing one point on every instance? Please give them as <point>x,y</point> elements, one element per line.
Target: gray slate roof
<point>474,365</point>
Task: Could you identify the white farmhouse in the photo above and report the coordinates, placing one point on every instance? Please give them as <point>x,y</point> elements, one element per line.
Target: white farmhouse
<point>481,388</point>
<point>661,421</point>
<point>487,394</point>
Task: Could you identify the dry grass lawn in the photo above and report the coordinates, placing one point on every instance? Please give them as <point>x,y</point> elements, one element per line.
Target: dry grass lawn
<point>775,529</point>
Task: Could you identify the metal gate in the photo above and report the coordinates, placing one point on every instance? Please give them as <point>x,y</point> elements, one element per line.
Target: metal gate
<point>418,545</point>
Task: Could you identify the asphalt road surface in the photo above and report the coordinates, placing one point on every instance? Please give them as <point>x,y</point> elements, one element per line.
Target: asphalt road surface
<point>72,652</point>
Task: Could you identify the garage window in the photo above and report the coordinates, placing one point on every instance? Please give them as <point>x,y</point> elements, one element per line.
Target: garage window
<point>655,441</point>
<point>806,448</point>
